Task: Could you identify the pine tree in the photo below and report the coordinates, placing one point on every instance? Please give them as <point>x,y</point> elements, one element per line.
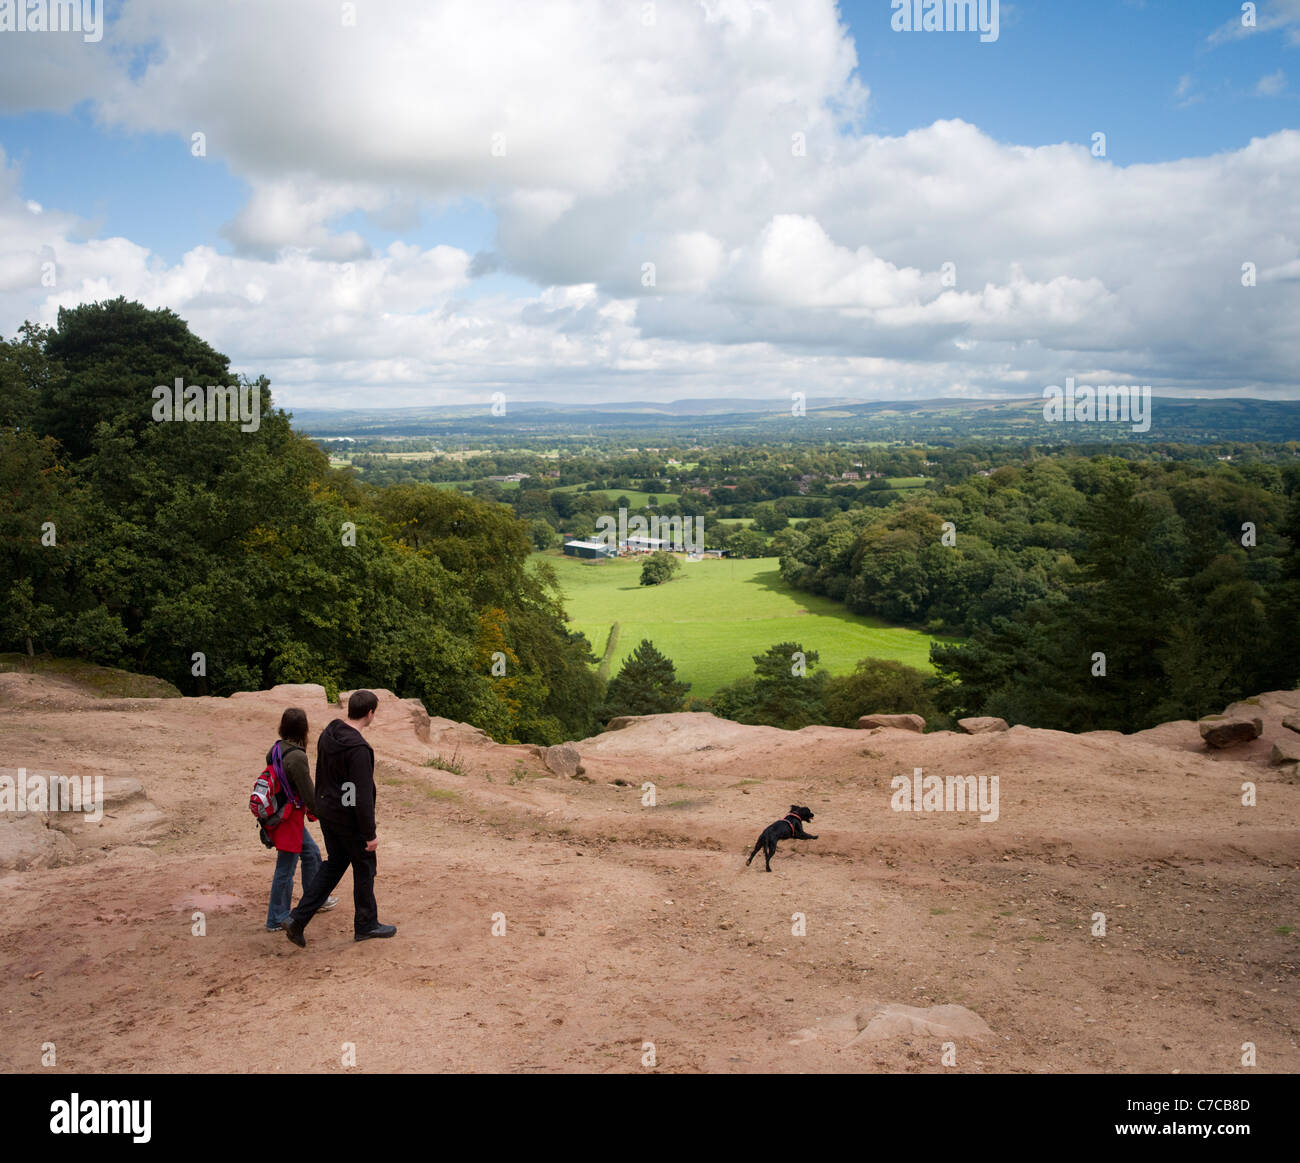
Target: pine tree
<point>1122,608</point>
<point>647,685</point>
<point>786,693</point>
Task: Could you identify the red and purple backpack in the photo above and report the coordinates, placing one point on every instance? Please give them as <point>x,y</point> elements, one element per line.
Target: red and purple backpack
<point>272,794</point>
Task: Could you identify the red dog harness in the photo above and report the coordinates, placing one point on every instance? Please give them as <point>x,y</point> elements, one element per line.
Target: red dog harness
<point>797,821</point>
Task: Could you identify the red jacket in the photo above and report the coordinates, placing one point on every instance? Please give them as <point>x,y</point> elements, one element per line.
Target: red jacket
<point>287,834</point>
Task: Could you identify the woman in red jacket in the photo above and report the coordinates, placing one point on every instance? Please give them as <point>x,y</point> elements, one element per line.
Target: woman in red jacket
<point>290,835</point>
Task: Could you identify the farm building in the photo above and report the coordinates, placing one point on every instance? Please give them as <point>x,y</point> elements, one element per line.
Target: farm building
<point>588,549</point>
<point>652,544</point>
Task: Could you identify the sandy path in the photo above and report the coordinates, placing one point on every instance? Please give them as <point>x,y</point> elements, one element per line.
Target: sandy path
<point>627,924</point>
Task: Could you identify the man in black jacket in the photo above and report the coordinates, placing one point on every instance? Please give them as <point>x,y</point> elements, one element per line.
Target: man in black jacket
<point>345,807</point>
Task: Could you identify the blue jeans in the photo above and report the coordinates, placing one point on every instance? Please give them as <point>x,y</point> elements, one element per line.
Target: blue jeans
<point>282,882</point>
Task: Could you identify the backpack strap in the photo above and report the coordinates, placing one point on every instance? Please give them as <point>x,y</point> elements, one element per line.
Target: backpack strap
<point>286,785</point>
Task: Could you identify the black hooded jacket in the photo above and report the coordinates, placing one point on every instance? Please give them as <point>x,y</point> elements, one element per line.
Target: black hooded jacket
<point>343,757</point>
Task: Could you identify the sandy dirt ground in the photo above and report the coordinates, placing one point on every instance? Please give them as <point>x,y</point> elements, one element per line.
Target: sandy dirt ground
<point>897,941</point>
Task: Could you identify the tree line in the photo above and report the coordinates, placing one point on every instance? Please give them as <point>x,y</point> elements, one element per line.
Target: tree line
<point>1094,589</point>
<point>1095,592</point>
<point>225,560</point>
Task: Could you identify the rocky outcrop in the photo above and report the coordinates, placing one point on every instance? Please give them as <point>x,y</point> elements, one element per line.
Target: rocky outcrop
<point>129,817</point>
<point>562,760</point>
<point>390,704</point>
<point>419,719</point>
<point>982,724</point>
<point>1229,732</point>
<point>895,1021</point>
<point>1285,750</point>
<point>683,733</point>
<point>452,730</point>
<point>882,1021</point>
<point>115,812</point>
<point>292,694</point>
<point>899,722</point>
<point>617,724</point>
<point>27,841</point>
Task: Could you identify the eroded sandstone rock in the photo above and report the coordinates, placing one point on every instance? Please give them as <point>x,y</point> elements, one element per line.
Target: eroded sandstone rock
<point>982,724</point>
<point>1229,732</point>
<point>900,722</point>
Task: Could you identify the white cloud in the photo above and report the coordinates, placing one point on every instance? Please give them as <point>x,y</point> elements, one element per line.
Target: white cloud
<point>1183,92</point>
<point>1271,85</point>
<point>1264,16</point>
<point>53,71</point>
<point>287,213</point>
<point>775,268</point>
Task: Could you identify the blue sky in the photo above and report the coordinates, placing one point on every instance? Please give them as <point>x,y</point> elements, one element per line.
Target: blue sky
<point>98,136</point>
<point>1059,71</point>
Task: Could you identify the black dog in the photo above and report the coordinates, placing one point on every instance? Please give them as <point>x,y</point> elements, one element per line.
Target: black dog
<point>789,827</point>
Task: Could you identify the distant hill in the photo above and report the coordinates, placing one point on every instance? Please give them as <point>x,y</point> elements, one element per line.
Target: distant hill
<point>1171,419</point>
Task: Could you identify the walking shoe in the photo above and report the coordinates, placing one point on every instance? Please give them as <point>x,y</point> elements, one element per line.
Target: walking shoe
<point>330,903</point>
<point>293,931</point>
<point>378,931</point>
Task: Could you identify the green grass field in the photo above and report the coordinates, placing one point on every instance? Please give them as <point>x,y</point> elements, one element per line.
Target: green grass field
<point>748,522</point>
<point>464,485</point>
<point>715,615</point>
<point>637,499</point>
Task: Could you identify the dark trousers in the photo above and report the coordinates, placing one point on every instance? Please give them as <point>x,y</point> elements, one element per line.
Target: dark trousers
<point>343,848</point>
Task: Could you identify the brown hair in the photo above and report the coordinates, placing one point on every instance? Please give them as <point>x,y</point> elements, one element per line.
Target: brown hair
<point>293,726</point>
<point>361,703</point>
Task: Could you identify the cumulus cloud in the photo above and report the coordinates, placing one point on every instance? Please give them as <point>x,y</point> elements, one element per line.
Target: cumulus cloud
<point>282,214</point>
<point>693,197</point>
<point>55,71</point>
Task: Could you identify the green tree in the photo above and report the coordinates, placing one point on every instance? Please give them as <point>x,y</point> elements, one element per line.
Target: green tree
<point>786,692</point>
<point>542,533</point>
<point>877,686</point>
<point>736,701</point>
<point>22,617</point>
<point>25,373</point>
<point>111,355</point>
<point>1217,646</point>
<point>171,541</point>
<point>789,543</point>
<point>1090,659</point>
<point>658,568</point>
<point>747,543</point>
<point>646,685</point>
<point>769,518</point>
<point>1122,608</point>
<point>44,516</point>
